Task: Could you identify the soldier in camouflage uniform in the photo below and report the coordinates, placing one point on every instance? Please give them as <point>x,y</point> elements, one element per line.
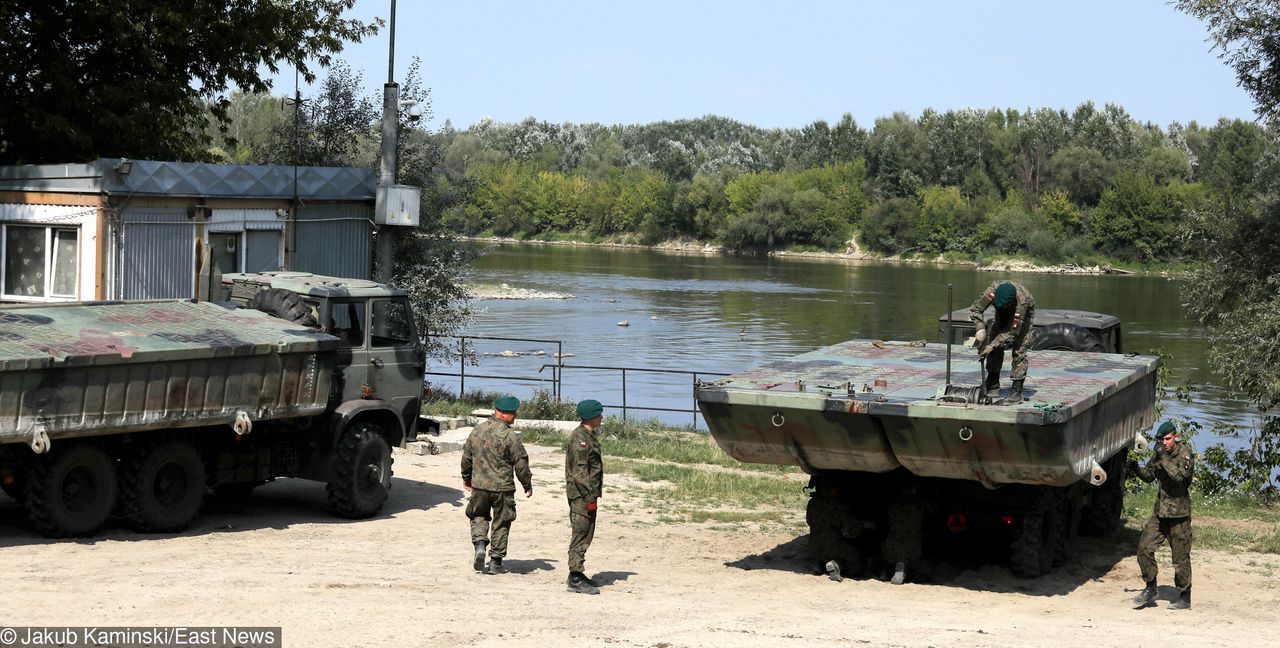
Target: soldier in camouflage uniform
<point>1172,465</point>
<point>903,544</point>
<point>489,457</point>
<point>584,481</point>
<point>1009,329</point>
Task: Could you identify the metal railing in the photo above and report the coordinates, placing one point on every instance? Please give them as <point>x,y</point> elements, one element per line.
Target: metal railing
<point>462,374</point>
<point>559,368</point>
<point>557,375</point>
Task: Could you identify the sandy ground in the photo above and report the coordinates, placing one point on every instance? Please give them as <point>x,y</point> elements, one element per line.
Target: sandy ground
<point>404,579</point>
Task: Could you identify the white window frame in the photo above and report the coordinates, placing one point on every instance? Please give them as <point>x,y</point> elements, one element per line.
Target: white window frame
<point>50,261</point>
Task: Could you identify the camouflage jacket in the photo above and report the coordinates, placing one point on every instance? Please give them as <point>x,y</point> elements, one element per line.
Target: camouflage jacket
<point>583,467</point>
<point>490,455</point>
<point>1173,470</point>
<point>1004,332</point>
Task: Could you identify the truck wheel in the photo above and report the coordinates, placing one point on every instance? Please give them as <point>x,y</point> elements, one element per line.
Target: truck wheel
<point>1102,515</point>
<point>162,487</point>
<point>1065,337</point>
<point>363,468</point>
<point>69,492</point>
<point>1034,549</point>
<point>284,304</point>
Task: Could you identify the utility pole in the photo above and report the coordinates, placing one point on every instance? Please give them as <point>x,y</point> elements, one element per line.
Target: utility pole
<point>387,160</point>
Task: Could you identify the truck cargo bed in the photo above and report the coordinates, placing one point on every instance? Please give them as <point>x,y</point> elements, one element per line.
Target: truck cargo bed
<point>101,368</point>
<point>872,407</point>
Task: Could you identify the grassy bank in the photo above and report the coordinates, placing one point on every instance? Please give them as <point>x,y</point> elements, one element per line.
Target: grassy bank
<point>1224,523</point>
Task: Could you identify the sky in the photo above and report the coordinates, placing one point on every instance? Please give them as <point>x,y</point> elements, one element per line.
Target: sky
<point>787,64</point>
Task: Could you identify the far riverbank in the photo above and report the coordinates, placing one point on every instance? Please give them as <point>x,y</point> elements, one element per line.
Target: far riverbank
<point>853,252</point>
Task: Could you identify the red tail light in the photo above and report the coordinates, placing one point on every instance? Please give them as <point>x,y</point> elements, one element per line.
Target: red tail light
<point>1007,519</point>
<point>956,523</point>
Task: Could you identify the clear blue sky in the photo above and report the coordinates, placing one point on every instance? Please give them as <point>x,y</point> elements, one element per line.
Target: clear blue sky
<point>785,64</point>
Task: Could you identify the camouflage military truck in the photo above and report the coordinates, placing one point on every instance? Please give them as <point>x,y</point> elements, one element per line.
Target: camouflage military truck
<point>880,430</point>
<point>1055,329</point>
<point>137,408</point>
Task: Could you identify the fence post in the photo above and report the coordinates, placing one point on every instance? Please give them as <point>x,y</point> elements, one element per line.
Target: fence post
<point>624,395</point>
<point>555,372</point>
<point>695,401</point>
<point>462,367</point>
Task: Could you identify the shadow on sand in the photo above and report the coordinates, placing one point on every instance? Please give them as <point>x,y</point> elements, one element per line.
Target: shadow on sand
<point>976,568</point>
<point>275,505</point>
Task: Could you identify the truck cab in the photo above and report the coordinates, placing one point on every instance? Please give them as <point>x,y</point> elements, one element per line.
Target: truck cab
<point>1053,330</point>
<point>381,357</point>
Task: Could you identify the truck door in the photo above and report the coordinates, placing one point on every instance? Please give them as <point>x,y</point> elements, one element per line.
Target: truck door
<point>395,360</point>
<point>347,321</point>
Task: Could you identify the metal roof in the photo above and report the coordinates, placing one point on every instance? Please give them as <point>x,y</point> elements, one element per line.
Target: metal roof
<point>193,179</point>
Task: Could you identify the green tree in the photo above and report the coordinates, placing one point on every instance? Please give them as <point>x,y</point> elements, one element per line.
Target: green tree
<point>1082,172</point>
<point>92,78</point>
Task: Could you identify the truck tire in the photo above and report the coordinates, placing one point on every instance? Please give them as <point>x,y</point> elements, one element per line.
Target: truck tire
<point>1065,337</point>
<point>284,304</point>
<point>363,468</point>
<point>162,486</point>
<point>1105,510</point>
<point>70,491</point>
<point>1035,548</point>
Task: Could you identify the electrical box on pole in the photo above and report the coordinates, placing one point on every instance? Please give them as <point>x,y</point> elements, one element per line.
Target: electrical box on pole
<point>397,205</point>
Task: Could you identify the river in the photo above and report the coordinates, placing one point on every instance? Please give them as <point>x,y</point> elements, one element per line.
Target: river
<point>721,314</point>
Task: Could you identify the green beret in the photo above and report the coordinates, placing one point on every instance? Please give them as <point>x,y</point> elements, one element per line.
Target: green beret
<point>589,409</point>
<point>1165,430</point>
<point>1005,294</point>
<point>507,404</point>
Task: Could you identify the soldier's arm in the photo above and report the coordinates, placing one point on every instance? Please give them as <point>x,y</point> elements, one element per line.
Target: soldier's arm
<point>467,453</point>
<point>1142,472</point>
<point>1178,466</point>
<point>980,306</point>
<point>520,459</point>
<point>594,476</point>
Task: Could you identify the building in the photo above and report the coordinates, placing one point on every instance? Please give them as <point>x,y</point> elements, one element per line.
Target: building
<point>140,229</point>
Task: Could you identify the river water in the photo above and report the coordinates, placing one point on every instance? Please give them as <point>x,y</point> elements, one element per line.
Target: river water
<point>721,314</point>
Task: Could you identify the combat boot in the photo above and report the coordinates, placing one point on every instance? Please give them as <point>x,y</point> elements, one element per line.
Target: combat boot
<point>1015,394</point>
<point>495,567</point>
<point>1183,602</point>
<point>1147,596</point>
<point>899,573</point>
<point>478,563</point>
<point>578,583</point>
<point>833,571</point>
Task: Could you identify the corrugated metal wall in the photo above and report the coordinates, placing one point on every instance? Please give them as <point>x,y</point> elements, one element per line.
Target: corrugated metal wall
<point>157,259</point>
<point>334,240</point>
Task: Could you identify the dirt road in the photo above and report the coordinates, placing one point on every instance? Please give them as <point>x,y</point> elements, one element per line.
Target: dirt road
<point>404,579</point>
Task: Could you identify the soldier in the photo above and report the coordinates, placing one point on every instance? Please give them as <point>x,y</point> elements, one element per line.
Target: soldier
<point>903,544</point>
<point>584,481</point>
<point>1172,465</point>
<point>490,455</point>
<point>1009,329</point>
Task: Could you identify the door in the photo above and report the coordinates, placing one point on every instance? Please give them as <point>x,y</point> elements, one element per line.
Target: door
<point>346,321</point>
<point>396,362</point>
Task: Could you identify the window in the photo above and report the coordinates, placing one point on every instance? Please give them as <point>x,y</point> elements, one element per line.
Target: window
<point>346,321</point>
<point>391,325</point>
<point>40,263</point>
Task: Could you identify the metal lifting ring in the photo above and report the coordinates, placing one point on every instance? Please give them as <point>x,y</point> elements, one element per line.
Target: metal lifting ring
<point>779,420</point>
<point>966,433</point>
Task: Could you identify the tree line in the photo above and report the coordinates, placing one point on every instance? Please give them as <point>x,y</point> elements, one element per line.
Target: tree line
<point>1076,186</point>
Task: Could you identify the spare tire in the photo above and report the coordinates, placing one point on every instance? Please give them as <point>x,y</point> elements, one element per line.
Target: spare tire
<point>284,304</point>
<point>1066,337</point>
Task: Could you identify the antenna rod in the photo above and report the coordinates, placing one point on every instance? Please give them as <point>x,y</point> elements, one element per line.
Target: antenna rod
<point>949,291</point>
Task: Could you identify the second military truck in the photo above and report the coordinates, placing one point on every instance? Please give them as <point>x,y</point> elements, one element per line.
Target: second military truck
<point>137,408</point>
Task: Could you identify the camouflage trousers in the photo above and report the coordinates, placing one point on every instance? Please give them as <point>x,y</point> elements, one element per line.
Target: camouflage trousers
<point>498,507</point>
<point>995,359</point>
<point>904,539</point>
<point>583,529</point>
<point>1178,532</point>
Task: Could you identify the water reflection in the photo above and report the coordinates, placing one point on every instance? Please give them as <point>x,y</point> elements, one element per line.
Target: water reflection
<point>722,314</point>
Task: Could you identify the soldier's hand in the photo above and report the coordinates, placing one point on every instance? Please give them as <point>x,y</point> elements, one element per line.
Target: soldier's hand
<point>466,486</point>
<point>591,507</point>
<point>982,353</point>
<point>980,337</point>
<point>528,492</point>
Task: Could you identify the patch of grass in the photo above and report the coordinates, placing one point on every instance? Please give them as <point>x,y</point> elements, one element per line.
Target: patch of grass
<point>1225,523</point>
<point>443,402</point>
<point>718,488</point>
